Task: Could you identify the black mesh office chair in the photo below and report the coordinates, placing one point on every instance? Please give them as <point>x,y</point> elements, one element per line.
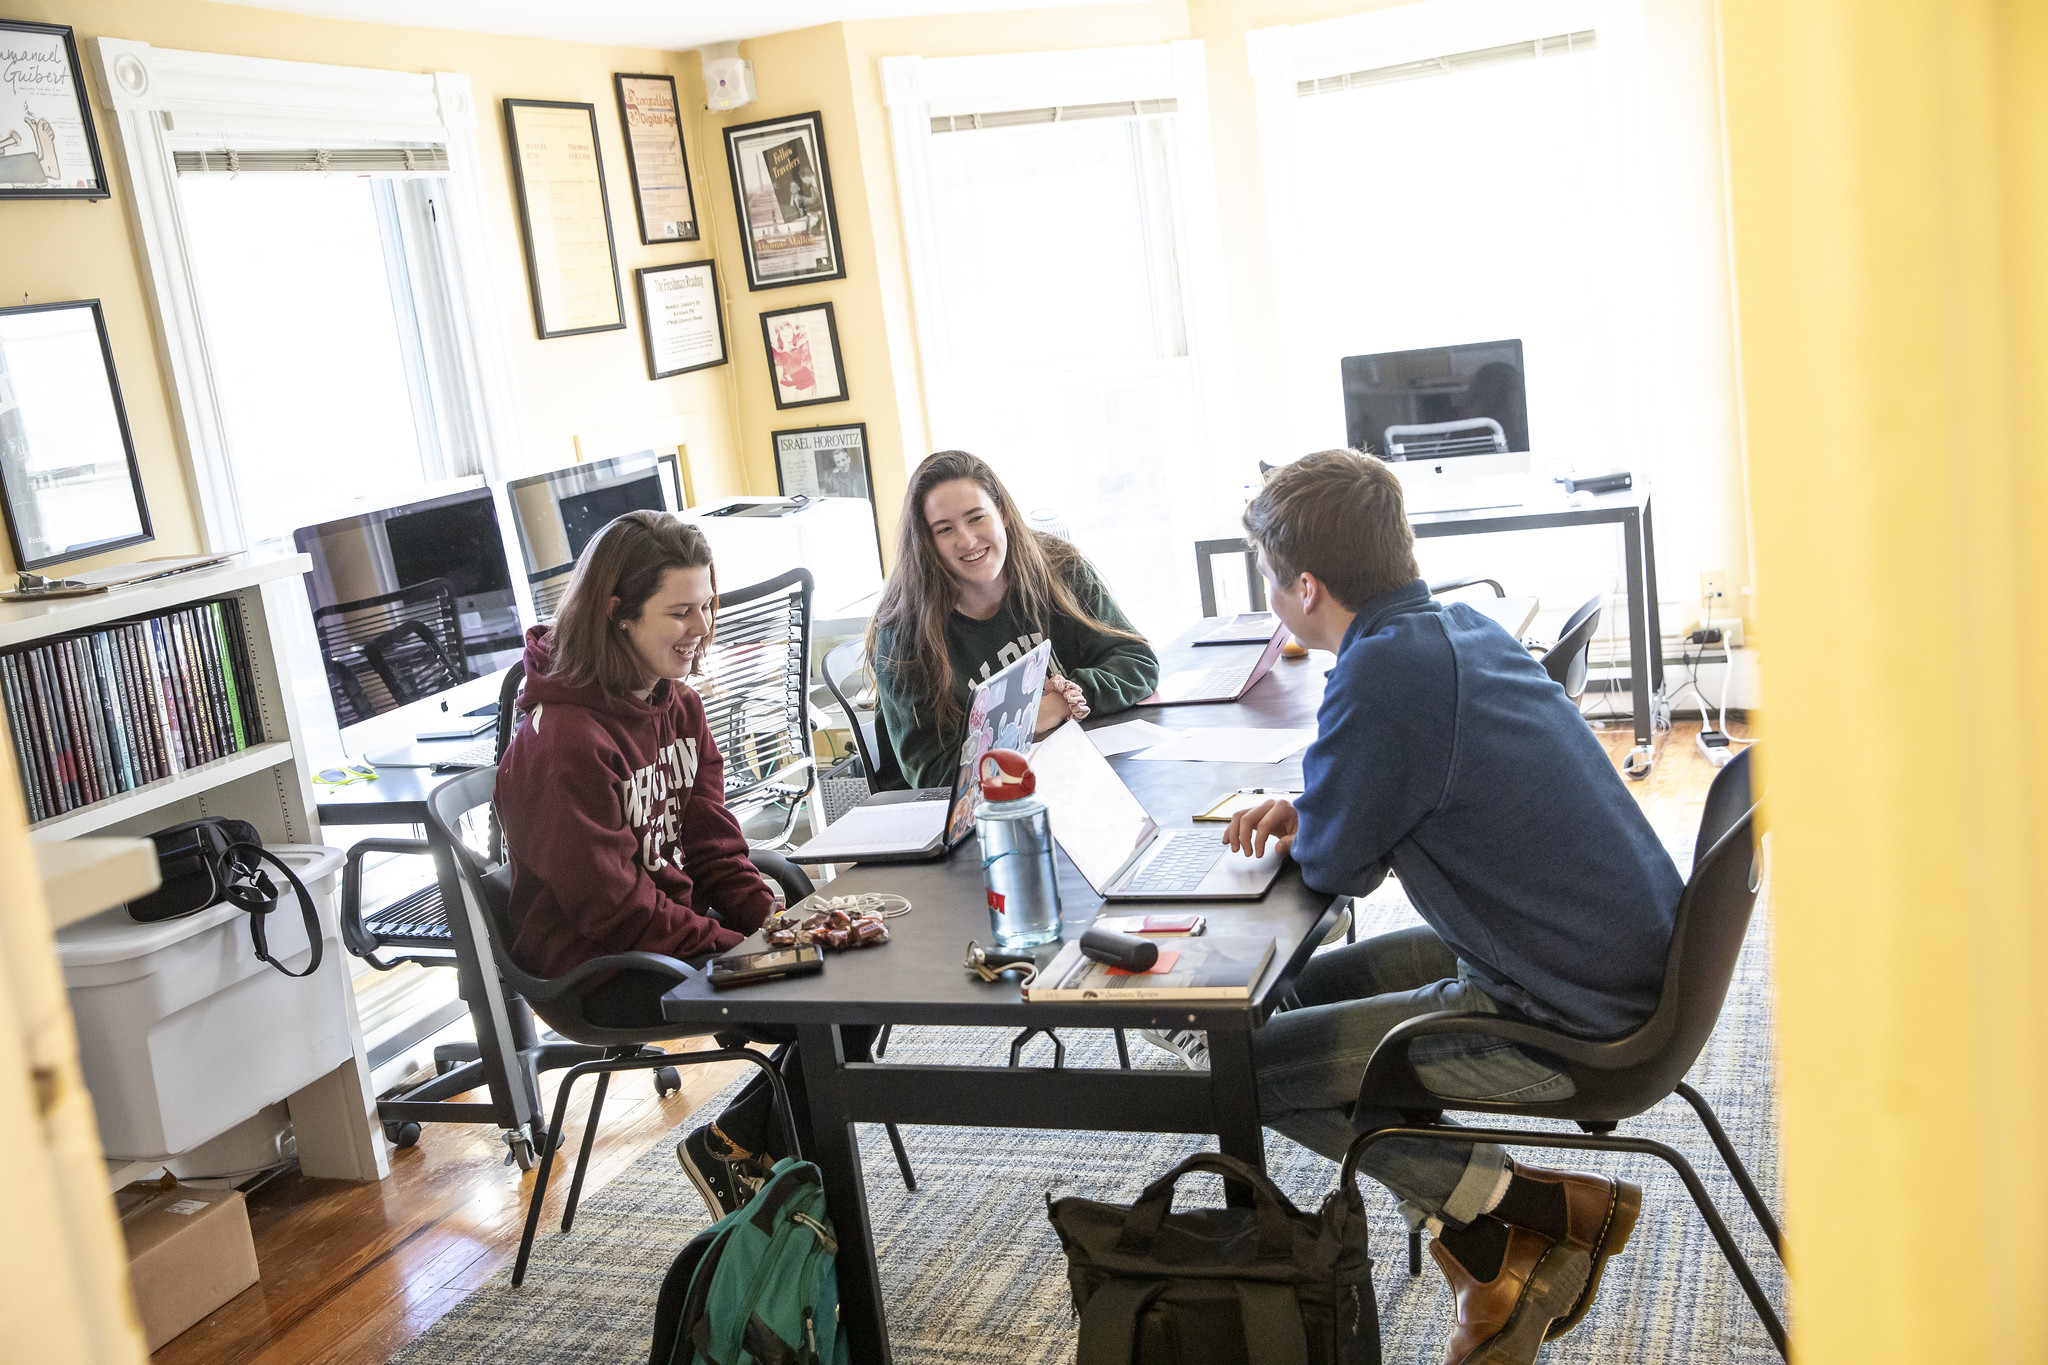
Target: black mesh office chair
<point>460,814</point>
<point>756,691</point>
<point>549,587</point>
<point>1565,661</point>
<point>1619,1078</point>
<point>416,632</point>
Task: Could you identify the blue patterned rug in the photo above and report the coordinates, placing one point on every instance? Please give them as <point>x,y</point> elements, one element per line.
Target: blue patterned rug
<point>973,1274</point>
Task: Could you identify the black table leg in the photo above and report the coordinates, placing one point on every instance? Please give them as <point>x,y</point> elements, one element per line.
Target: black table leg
<point>1234,1095</point>
<point>1656,613</point>
<point>1640,646</point>
<point>837,1152</point>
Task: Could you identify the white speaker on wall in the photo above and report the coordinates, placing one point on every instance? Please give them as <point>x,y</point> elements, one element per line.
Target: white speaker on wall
<point>728,77</point>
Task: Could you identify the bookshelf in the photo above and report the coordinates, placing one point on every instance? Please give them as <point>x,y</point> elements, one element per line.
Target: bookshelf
<point>267,784</point>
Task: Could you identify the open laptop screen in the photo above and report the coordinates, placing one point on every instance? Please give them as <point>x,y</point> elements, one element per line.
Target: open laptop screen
<point>1094,816</point>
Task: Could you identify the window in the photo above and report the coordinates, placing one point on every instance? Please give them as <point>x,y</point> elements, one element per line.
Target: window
<point>333,383</point>
<point>1053,234</point>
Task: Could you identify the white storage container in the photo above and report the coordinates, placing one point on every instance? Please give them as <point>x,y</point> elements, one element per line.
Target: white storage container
<point>183,1033</point>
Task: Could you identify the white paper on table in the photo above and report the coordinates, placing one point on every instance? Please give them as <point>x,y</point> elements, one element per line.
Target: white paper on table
<point>1232,744</point>
<point>903,827</point>
<point>1132,734</point>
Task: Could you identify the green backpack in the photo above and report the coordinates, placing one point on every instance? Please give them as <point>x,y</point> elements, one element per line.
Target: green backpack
<point>759,1287</point>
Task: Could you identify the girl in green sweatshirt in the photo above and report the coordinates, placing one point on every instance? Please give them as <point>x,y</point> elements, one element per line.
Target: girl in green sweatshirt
<point>974,589</point>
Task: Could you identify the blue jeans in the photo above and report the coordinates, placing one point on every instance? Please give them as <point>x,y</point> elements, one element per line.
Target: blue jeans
<point>1311,1056</point>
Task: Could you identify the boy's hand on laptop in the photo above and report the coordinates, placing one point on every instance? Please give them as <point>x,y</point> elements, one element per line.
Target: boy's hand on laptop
<point>1249,831</point>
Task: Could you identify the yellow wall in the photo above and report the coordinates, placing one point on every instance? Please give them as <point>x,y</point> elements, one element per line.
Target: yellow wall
<point>68,250</point>
<point>1889,178</point>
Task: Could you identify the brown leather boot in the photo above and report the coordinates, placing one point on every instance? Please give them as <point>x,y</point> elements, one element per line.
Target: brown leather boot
<point>1600,1214</point>
<point>1501,1321</point>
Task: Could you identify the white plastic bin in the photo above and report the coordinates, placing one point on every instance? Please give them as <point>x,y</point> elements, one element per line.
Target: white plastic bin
<point>183,1033</point>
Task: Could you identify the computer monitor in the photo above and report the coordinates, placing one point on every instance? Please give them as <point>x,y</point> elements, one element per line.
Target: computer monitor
<point>410,602</point>
<point>558,513</point>
<point>1466,405</point>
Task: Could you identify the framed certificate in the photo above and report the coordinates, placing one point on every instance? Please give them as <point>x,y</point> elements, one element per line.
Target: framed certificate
<point>680,317</point>
<point>655,159</point>
<point>564,217</point>
<point>782,191</point>
<point>48,149</point>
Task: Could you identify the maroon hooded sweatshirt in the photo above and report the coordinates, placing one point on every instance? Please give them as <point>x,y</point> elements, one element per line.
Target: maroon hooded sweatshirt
<point>615,819</point>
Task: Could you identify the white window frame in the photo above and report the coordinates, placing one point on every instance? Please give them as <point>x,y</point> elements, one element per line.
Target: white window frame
<point>916,88</point>
<point>160,96</point>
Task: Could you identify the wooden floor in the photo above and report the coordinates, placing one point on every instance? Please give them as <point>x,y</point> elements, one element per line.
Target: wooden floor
<point>353,1272</point>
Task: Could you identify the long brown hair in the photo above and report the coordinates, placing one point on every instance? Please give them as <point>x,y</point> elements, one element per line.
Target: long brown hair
<point>921,594</point>
<point>625,560</point>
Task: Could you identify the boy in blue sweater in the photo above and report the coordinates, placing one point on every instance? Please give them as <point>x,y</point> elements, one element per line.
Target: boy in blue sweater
<point>1446,754</point>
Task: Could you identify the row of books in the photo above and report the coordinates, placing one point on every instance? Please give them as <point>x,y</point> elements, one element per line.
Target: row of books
<point>101,712</point>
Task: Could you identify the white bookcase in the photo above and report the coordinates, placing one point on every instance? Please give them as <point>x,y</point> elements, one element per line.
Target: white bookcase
<point>333,1119</point>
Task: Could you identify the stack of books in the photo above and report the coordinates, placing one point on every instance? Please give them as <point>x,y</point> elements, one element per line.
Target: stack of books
<point>101,712</point>
<point>1213,967</point>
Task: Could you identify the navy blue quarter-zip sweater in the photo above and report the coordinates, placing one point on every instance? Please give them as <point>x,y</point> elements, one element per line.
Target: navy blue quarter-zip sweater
<point>1444,749</point>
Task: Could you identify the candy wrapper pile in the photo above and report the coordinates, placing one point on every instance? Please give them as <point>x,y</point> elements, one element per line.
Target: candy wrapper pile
<point>834,929</point>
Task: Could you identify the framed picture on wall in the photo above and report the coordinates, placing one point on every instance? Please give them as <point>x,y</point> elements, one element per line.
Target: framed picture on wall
<point>655,159</point>
<point>782,191</point>
<point>69,484</point>
<point>564,218</point>
<point>803,356</point>
<point>680,317</point>
<point>48,149</point>
<point>826,462</point>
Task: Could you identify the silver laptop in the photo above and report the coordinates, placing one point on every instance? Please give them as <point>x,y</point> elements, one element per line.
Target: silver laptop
<point>1227,682</point>
<point>903,827</point>
<point>1120,849</point>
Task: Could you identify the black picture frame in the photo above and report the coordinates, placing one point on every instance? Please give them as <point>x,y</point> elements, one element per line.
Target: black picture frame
<point>695,229</point>
<point>18,492</point>
<point>808,339</point>
<point>764,205</point>
<point>651,274</point>
<point>43,145</point>
<point>519,186</point>
<point>817,480</point>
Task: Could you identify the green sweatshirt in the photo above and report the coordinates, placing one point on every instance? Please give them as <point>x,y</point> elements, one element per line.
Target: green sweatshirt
<point>1114,674</point>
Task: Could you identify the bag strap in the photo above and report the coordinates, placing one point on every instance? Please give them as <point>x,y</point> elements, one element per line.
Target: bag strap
<point>1109,1321</point>
<point>1276,1235</point>
<point>250,889</point>
<point>1273,1333</point>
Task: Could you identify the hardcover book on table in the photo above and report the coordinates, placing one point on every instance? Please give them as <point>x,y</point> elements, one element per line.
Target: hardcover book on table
<point>1212,967</point>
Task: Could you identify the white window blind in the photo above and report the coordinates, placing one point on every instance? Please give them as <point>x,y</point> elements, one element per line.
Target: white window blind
<point>1557,45</point>
<point>344,160</point>
<point>1055,113</point>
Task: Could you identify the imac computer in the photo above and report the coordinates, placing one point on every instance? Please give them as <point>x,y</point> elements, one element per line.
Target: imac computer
<point>415,620</point>
<point>1445,418</point>
<point>558,513</point>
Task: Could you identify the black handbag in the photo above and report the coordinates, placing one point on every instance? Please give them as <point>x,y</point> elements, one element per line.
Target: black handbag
<point>205,862</point>
<point>1267,1285</point>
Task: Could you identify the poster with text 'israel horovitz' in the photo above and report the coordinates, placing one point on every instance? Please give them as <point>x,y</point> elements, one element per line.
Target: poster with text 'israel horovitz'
<point>48,149</point>
<point>564,217</point>
<point>789,226</point>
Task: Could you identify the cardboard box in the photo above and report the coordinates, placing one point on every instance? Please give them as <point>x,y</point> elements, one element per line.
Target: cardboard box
<point>189,1252</point>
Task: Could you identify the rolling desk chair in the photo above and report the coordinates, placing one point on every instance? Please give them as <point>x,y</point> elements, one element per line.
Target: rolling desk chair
<point>849,678</point>
<point>1565,661</point>
<point>756,691</point>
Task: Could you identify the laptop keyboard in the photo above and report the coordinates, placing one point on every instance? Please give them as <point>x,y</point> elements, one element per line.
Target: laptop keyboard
<point>1180,866</point>
<point>481,754</point>
<point>1215,682</point>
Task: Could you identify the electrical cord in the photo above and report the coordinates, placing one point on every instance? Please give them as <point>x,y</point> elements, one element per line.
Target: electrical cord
<point>884,903</point>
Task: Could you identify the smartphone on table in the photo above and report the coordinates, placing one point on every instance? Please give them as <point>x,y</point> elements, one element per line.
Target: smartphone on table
<point>770,964</point>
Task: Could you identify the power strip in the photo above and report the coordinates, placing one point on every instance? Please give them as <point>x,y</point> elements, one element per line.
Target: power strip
<point>1715,746</point>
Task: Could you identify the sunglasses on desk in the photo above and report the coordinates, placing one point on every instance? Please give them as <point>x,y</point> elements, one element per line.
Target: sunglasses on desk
<point>346,774</point>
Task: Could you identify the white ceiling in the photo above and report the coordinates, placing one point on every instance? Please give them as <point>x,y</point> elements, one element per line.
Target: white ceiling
<point>672,25</point>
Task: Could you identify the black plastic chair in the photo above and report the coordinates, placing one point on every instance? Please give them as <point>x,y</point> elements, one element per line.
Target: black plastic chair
<point>1619,1078</point>
<point>1565,661</point>
<point>560,1001</point>
<point>847,677</point>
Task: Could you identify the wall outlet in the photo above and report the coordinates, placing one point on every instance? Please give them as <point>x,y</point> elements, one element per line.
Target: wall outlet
<point>1714,588</point>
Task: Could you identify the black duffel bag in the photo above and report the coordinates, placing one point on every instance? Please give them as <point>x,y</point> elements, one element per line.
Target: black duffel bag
<point>205,862</point>
<point>1267,1285</point>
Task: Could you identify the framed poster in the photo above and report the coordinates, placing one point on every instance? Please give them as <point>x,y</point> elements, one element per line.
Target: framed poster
<point>827,462</point>
<point>803,356</point>
<point>48,149</point>
<point>789,228</point>
<point>680,317</point>
<point>564,218</point>
<point>69,484</point>
<point>655,160</point>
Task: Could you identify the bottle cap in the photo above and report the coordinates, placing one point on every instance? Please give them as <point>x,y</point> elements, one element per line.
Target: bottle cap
<point>1006,776</point>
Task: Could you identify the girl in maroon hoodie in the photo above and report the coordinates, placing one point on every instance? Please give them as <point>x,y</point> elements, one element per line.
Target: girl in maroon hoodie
<point>612,798</point>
